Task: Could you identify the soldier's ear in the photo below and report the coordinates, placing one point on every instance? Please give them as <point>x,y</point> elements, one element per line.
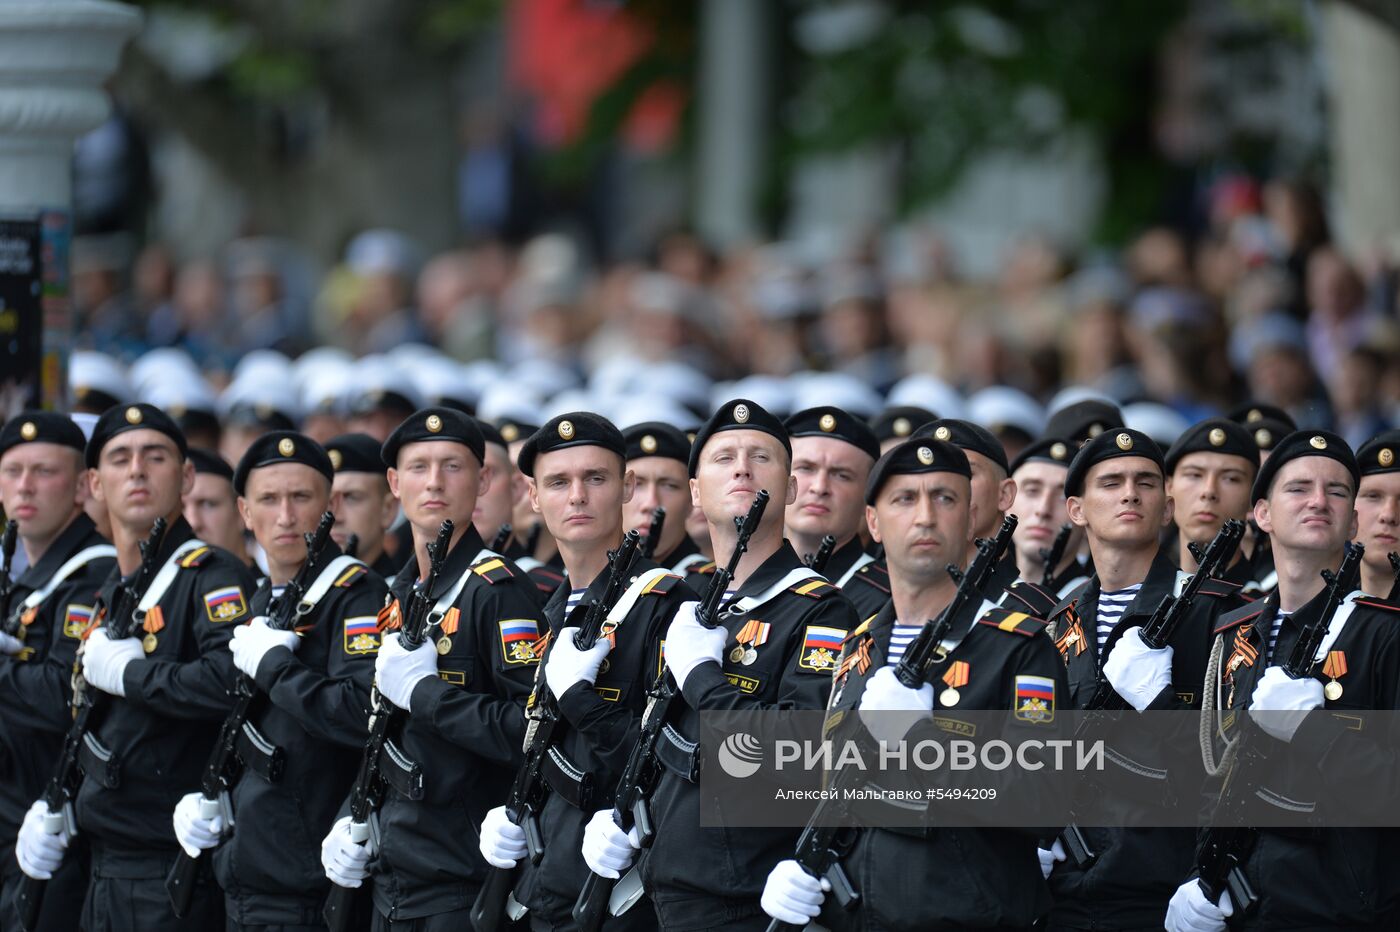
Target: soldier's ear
<point>534,491</point>
<point>1074,510</point>
<point>392,475</point>
<point>694,494</point>
<point>1006,495</point>
<point>629,486</point>
<point>1168,510</point>
<point>791,489</point>
<point>872,521</point>
<point>1264,518</point>
<point>484,482</point>
<point>186,478</point>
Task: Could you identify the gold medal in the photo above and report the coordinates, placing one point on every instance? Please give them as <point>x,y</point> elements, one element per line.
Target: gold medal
<point>949,696</point>
<point>750,656</point>
<point>444,645</point>
<point>148,643</point>
<point>1333,691</point>
<point>737,654</point>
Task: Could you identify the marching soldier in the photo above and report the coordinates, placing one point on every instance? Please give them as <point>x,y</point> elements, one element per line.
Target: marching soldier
<point>1210,469</point>
<point>211,507</point>
<point>1116,491</point>
<point>496,506</point>
<point>657,455</point>
<point>363,505</point>
<point>166,685</point>
<point>464,689</point>
<point>776,647</point>
<point>43,484</point>
<point>832,455</point>
<point>1312,878</point>
<point>315,681</point>
<point>1378,512</point>
<point>540,558</point>
<point>921,878</point>
<point>1039,473</point>
<point>894,425</point>
<point>579,483</point>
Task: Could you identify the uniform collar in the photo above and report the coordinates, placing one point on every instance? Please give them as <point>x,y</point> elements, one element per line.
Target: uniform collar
<point>685,548</point>
<point>79,533</point>
<point>458,561</point>
<point>781,562</point>
<point>843,558</point>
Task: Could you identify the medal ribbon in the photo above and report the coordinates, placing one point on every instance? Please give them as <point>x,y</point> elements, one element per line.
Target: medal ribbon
<point>1335,667</point>
<point>754,632</point>
<point>154,620</point>
<point>858,658</point>
<point>956,675</point>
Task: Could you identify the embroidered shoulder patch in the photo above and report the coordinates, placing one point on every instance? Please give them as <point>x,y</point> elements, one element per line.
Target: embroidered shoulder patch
<point>225,604</point>
<point>821,646</point>
<point>1035,699</point>
<point>519,637</point>
<point>362,635</point>
<point>76,619</point>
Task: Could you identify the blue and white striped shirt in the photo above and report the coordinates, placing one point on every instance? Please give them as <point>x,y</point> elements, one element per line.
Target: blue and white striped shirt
<point>1112,606</point>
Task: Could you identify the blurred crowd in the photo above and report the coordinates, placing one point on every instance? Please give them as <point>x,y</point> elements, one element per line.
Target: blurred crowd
<point>1260,304</point>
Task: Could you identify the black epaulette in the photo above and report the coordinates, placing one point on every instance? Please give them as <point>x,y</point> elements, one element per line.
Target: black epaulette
<point>352,575</point>
<point>1219,588</point>
<point>1238,616</point>
<point>545,579</point>
<point>1035,599</point>
<point>705,569</point>
<point>814,588</point>
<point>493,570</point>
<point>662,585</point>
<point>1384,605</point>
<point>874,574</point>
<point>197,557</point>
<point>1004,619</point>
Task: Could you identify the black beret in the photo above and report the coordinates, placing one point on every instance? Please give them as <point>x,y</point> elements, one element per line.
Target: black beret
<point>899,422</point>
<point>209,462</point>
<point>355,453</point>
<point>94,399</point>
<point>1214,435</point>
<point>435,424</point>
<point>575,429</point>
<point>1084,420</point>
<point>1267,433</point>
<point>1112,444</point>
<point>512,430</point>
<point>379,399</point>
<point>656,438</point>
<point>122,418</point>
<point>41,427</point>
<point>1252,413</point>
<point>969,436</point>
<point>258,414</point>
<point>282,446</point>
<point>1303,443</point>
<point>739,414</point>
<point>489,433</point>
<point>193,419</point>
<point>1045,450</point>
<point>829,421</point>
<point>913,457</point>
<point>1380,454</point>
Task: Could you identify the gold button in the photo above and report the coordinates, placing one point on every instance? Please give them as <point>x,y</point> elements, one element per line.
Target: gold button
<point>566,430</point>
<point>902,427</point>
<point>336,459</point>
<point>510,433</point>
<point>1318,442</point>
<point>648,444</point>
<point>1095,430</point>
<point>1217,437</point>
<point>1059,451</point>
<point>741,413</point>
<point>1254,415</point>
<point>925,456</point>
<point>28,431</point>
<point>1124,441</point>
<point>827,423</point>
<point>1386,456</point>
<point>433,423</point>
<point>1263,438</point>
<point>286,447</point>
<point>943,434</point>
<point>133,415</point>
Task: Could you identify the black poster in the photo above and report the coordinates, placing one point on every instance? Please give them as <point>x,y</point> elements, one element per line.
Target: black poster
<point>21,315</point>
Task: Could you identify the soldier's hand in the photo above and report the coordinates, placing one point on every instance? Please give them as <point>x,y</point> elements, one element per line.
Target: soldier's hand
<point>252,641</point>
<point>502,841</point>
<point>1190,911</point>
<point>607,849</point>
<point>568,665</point>
<point>689,643</point>
<point>888,708</point>
<point>397,670</point>
<point>10,645</point>
<point>1283,702</point>
<point>792,895</point>
<point>193,831</point>
<point>105,660</point>
<point>1137,672</point>
<point>344,861</point>
<point>38,848</point>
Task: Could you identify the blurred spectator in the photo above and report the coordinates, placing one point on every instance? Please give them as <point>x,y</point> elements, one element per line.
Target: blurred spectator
<point>1337,316</point>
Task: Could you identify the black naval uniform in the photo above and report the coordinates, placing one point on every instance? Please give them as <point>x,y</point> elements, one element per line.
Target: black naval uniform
<point>1009,589</point>
<point>712,878</point>
<point>860,577</point>
<point>386,567</point>
<point>37,685</point>
<point>465,729</point>
<point>1137,869</point>
<point>933,878</point>
<point>682,556</point>
<point>1325,878</point>
<point>600,723</point>
<point>314,707</point>
<point>160,735</point>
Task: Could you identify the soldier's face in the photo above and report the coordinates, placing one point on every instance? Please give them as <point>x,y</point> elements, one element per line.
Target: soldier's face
<point>925,523</point>
<point>1378,518</point>
<point>1310,506</point>
<point>436,480</point>
<point>1124,503</point>
<point>992,493</point>
<point>211,508</point>
<point>42,486</point>
<point>280,505</point>
<point>579,491</point>
<point>523,513</point>
<point>140,477</point>
<point>1207,490</point>
<point>830,477</point>
<point>362,506</point>
<point>660,481</point>
<point>733,468</point>
<point>496,506</point>
<point>1040,511</point>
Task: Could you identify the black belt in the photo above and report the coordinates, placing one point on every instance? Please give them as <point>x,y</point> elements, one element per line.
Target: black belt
<point>258,754</point>
<point>678,755</point>
<point>401,772</point>
<point>568,782</point>
<point>98,763</point>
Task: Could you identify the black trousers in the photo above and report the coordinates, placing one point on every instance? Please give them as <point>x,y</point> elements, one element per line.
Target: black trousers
<point>126,893</point>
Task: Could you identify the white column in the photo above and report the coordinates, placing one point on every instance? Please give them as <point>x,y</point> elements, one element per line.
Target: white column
<point>54,57</point>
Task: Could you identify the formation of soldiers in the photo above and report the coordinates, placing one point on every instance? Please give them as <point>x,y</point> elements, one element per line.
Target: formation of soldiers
<point>438,706</point>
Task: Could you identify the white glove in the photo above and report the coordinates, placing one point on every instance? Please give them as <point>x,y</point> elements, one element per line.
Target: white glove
<point>397,670</point>
<point>1285,700</point>
<point>1049,857</point>
<point>568,665</point>
<point>252,641</point>
<point>345,862</point>
<point>9,644</point>
<point>38,849</point>
<point>689,643</point>
<point>105,660</point>
<point>607,850</point>
<point>193,831</point>
<point>502,842</point>
<point>886,695</point>
<point>1190,911</point>
<point>1137,672</point>
<point>792,895</point>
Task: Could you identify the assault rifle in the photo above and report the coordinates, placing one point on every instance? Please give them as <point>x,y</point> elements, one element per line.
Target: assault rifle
<point>658,521</point>
<point>1055,554</point>
<point>7,585</point>
<point>498,543</point>
<point>822,557</point>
